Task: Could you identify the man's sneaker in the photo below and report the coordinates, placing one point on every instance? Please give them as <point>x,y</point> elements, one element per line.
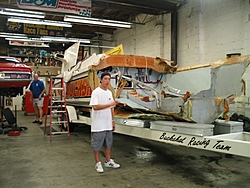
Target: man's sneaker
<point>112,164</point>
<point>98,167</point>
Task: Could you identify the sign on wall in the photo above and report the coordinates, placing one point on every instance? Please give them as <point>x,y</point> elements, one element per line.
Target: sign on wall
<point>34,29</point>
<point>80,7</point>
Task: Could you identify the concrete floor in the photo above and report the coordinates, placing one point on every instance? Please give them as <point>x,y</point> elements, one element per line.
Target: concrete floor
<point>32,160</point>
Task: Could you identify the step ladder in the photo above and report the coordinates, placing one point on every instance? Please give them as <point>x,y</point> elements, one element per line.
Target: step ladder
<point>57,107</point>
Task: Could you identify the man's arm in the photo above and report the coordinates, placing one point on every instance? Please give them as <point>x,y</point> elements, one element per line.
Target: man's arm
<point>103,106</point>
<point>113,120</point>
<point>43,91</point>
<point>31,94</point>
<point>41,85</point>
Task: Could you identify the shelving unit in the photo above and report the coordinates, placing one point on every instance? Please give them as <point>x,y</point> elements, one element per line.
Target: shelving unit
<point>46,71</point>
<point>35,56</point>
<point>41,60</point>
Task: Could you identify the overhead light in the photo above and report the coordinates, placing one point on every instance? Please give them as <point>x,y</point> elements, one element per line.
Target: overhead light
<point>40,22</point>
<point>27,39</point>
<point>17,34</point>
<point>12,35</point>
<point>96,46</point>
<point>9,36</point>
<point>95,21</point>
<point>63,39</point>
<point>22,13</point>
<point>22,37</point>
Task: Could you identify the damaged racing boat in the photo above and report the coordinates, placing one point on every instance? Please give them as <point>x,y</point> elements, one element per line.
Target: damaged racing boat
<point>161,102</point>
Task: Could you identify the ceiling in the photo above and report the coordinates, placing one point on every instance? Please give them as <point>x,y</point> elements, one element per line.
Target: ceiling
<point>120,10</point>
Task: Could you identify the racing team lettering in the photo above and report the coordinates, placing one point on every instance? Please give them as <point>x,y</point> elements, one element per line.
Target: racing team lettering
<point>78,88</point>
<point>173,138</point>
<point>194,141</point>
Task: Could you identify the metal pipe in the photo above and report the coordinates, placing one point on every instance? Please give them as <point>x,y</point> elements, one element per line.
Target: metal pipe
<point>174,37</point>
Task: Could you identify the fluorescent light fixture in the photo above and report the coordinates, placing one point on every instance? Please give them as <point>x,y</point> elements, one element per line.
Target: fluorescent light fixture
<point>9,36</point>
<point>22,13</point>
<point>97,46</point>
<point>27,39</point>
<point>47,39</point>
<point>95,21</point>
<point>17,34</point>
<point>40,22</point>
<point>12,35</point>
<point>63,39</point>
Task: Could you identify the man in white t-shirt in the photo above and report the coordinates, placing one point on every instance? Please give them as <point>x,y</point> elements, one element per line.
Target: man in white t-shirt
<point>103,124</point>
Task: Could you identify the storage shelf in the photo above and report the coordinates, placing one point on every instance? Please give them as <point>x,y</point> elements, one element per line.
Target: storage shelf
<point>44,66</point>
<point>22,55</point>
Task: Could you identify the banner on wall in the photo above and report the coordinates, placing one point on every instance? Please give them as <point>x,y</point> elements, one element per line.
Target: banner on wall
<point>34,29</point>
<point>80,7</point>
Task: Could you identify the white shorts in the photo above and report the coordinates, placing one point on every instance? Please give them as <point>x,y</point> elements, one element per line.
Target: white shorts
<point>38,103</point>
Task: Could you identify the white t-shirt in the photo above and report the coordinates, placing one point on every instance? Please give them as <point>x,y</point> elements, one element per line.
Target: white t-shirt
<point>101,119</point>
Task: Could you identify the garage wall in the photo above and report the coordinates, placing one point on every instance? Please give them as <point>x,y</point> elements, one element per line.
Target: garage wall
<point>207,31</point>
<point>151,39</point>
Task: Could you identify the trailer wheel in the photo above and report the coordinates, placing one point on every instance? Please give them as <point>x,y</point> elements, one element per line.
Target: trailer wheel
<point>71,125</point>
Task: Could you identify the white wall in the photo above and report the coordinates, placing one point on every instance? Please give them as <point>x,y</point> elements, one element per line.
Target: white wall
<point>207,31</point>
<point>247,28</point>
<point>151,39</point>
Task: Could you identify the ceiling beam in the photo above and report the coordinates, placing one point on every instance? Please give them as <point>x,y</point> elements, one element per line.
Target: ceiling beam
<point>86,30</point>
<point>145,5</point>
<point>116,7</point>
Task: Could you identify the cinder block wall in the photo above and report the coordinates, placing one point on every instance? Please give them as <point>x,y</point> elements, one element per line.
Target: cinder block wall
<point>207,31</point>
<point>151,39</point>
